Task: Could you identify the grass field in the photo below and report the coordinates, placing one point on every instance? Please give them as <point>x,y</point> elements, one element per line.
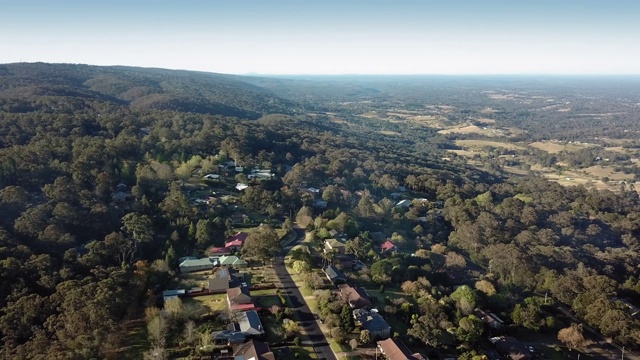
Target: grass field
<point>215,303</point>
<point>478,144</point>
<point>465,153</point>
<point>554,148</point>
<point>136,339</point>
<point>301,353</point>
<point>608,171</point>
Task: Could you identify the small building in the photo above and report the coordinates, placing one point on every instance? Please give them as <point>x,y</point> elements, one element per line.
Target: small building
<point>334,275</point>
<point>490,319</point>
<point>241,186</point>
<point>248,323</point>
<point>404,204</point>
<point>212,177</point>
<point>388,246</point>
<point>356,297</point>
<point>239,298</point>
<point>374,322</point>
<point>172,294</point>
<point>334,246</point>
<point>228,337</point>
<point>253,350</point>
<point>395,349</point>
<point>193,265</point>
<point>224,278</point>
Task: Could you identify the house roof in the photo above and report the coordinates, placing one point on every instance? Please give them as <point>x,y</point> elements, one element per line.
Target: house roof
<point>374,322</point>
<point>199,262</point>
<point>334,243</point>
<point>228,336</point>
<point>404,203</point>
<point>241,186</point>
<point>395,349</point>
<point>511,347</point>
<point>239,295</point>
<point>333,273</point>
<point>177,292</point>
<point>231,260</point>
<point>218,251</point>
<point>250,323</point>
<point>253,350</point>
<point>240,235</point>
<point>387,245</point>
<point>218,284</point>
<point>234,243</point>
<point>354,296</point>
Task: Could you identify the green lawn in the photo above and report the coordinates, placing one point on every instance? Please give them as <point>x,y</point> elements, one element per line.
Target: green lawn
<point>301,353</point>
<point>215,303</point>
<point>264,292</point>
<point>391,293</point>
<point>266,301</point>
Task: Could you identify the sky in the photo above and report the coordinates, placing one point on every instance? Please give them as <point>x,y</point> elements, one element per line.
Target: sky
<point>329,36</point>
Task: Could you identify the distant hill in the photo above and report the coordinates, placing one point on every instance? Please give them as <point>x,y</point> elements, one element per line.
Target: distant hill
<point>140,88</point>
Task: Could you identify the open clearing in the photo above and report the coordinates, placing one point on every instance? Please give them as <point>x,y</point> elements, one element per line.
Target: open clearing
<point>471,129</point>
<point>485,121</point>
<point>465,153</point>
<point>608,171</point>
<point>554,148</point>
<point>386,132</point>
<point>479,144</point>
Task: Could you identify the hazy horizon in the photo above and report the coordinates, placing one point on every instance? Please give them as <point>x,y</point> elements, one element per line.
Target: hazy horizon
<point>293,38</point>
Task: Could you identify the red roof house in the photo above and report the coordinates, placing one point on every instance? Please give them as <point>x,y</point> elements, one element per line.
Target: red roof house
<point>236,241</point>
<point>388,246</point>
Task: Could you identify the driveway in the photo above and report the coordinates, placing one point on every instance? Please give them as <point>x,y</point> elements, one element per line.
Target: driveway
<point>307,320</point>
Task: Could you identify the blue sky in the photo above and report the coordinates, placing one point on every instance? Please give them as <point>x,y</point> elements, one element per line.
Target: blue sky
<point>330,37</point>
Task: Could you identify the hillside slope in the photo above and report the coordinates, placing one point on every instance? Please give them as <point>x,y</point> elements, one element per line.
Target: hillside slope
<point>139,88</point>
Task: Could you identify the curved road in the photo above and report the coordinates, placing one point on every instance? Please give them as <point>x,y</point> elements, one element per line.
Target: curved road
<point>304,314</point>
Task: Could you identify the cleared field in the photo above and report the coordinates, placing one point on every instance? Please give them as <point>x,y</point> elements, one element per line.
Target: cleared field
<point>472,129</point>
<point>608,171</point>
<point>554,148</point>
<point>486,121</point>
<point>478,144</point>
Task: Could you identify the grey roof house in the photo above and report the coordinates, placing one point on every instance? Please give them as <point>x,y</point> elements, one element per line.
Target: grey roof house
<point>335,276</point>
<point>248,323</point>
<point>374,322</point>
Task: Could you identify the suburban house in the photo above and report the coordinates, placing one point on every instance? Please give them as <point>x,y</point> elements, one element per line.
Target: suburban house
<point>371,320</point>
<point>334,275</point>
<point>248,323</point>
<point>218,251</point>
<point>334,246</point>
<point>239,298</point>
<point>236,241</point>
<point>224,278</point>
<point>233,261</point>
<point>356,297</point>
<point>490,319</point>
<point>193,265</point>
<point>388,246</point>
<point>253,350</point>
<point>511,348</point>
<point>228,337</point>
<point>395,349</point>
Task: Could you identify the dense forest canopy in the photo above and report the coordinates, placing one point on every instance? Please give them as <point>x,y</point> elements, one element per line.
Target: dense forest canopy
<point>76,262</point>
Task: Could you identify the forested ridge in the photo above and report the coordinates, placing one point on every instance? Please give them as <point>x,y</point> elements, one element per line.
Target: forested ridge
<point>75,264</point>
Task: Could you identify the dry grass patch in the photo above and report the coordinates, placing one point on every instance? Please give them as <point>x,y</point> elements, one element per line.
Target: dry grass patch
<point>608,171</point>
<point>478,144</point>
<point>485,121</point>
<point>471,129</point>
<point>215,303</point>
<point>386,132</point>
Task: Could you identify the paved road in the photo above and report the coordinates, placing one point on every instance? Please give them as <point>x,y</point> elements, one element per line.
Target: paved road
<point>307,320</point>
